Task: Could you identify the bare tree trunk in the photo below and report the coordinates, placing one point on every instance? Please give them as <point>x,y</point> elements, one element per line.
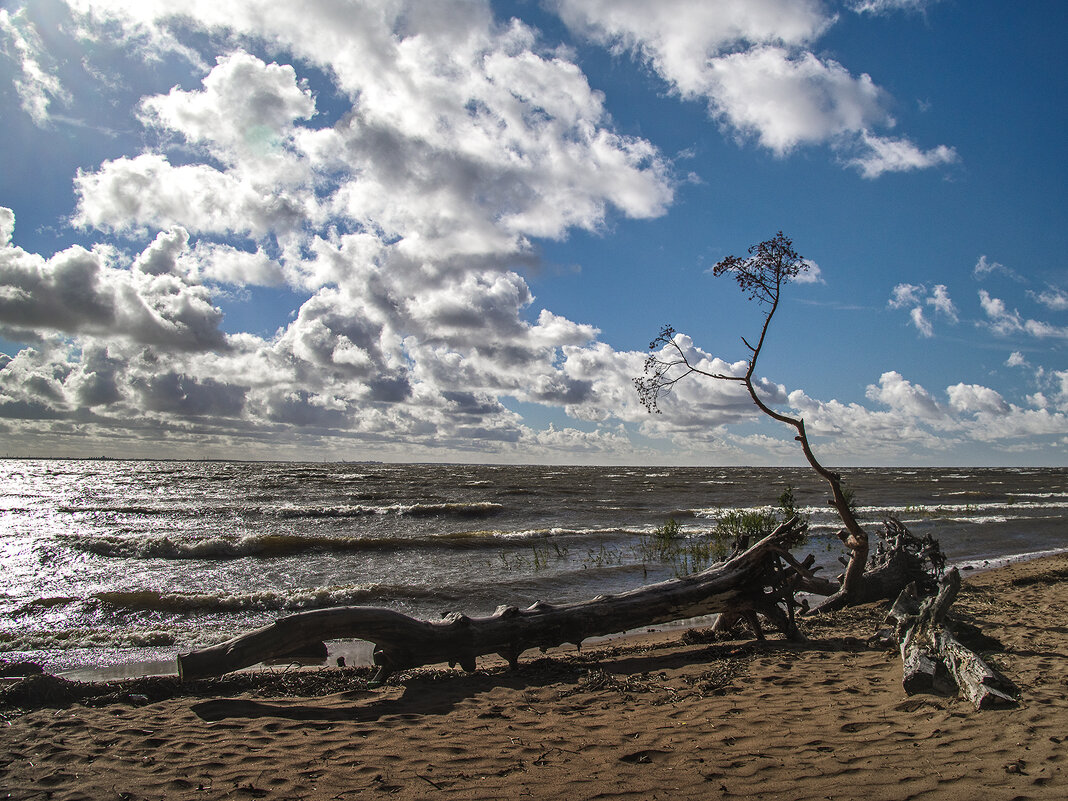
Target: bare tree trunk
<point>750,582</point>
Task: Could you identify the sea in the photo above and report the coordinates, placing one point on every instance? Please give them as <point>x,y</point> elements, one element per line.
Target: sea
<point>117,566</point>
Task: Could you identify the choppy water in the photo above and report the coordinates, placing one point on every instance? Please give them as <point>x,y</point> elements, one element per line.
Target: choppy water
<point>109,562</point>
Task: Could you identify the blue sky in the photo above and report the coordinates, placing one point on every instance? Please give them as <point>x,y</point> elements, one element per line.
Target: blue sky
<point>448,230</point>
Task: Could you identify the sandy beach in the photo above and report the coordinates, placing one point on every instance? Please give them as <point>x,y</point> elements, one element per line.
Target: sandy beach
<point>666,715</point>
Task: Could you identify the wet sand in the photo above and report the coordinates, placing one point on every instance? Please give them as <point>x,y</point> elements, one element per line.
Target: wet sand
<point>665,715</point>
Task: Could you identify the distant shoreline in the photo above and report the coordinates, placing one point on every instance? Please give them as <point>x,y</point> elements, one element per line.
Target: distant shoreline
<point>607,465</point>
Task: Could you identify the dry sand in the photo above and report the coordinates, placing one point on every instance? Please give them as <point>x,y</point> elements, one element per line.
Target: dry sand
<point>664,716</point>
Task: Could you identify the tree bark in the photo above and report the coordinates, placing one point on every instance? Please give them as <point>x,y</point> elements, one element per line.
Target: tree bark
<point>748,582</point>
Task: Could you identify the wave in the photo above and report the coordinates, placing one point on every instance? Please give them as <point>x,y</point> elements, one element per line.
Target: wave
<point>122,509</point>
<point>266,546</point>
<point>443,509</point>
<point>269,600</point>
<point>943,509</point>
<point>66,639</point>
<point>258,545</point>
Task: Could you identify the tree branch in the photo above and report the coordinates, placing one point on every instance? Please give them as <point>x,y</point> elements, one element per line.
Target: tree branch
<point>770,265</point>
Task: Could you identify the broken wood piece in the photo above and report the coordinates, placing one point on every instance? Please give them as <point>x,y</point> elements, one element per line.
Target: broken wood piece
<point>981,684</point>
<point>933,660</point>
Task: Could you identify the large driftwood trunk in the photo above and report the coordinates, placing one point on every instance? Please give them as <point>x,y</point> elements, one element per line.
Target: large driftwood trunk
<point>749,582</point>
<point>933,660</point>
<point>900,559</point>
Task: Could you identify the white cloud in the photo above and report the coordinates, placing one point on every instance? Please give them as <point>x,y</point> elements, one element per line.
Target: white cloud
<point>903,396</point>
<point>917,296</point>
<point>678,36</point>
<point>785,100</point>
<point>148,192</point>
<point>453,141</point>
<point>915,421</point>
<point>942,303</point>
<point>1005,323</point>
<point>226,264</point>
<point>811,274</point>
<point>879,155</point>
<point>751,63</point>
<point>975,398</point>
<point>1052,298</point>
<point>78,291</point>
<point>1060,378</point>
<point>985,267</point>
<point>1002,321</point>
<point>1016,359</point>
<point>462,139</point>
<point>923,325</point>
<point>37,87</point>
<point>904,295</point>
<point>889,6</point>
<point>7,226</point>
<point>246,112</point>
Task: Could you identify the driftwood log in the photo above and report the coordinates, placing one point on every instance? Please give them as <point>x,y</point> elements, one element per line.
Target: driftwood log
<point>749,582</point>
<point>933,659</point>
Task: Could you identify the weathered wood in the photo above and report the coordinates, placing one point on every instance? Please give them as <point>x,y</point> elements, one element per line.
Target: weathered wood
<point>977,681</point>
<point>898,559</point>
<point>804,578</point>
<point>748,582</point>
<point>933,660</point>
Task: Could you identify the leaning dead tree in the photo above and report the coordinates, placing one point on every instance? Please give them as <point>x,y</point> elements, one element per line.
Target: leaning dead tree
<point>933,659</point>
<point>761,275</point>
<point>757,580</point>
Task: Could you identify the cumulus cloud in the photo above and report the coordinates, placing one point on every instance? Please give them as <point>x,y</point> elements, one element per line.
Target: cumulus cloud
<point>147,192</point>
<point>401,202</point>
<point>914,420</point>
<point>974,398</point>
<point>245,113</point>
<point>79,291</point>
<point>785,101</point>
<point>811,274</point>
<point>677,37</point>
<point>752,63</point>
<point>902,395</point>
<point>7,226</point>
<point>460,141</point>
<point>696,408</point>
<point>225,264</point>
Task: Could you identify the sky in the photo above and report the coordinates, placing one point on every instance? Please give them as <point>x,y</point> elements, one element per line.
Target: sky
<point>447,230</point>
